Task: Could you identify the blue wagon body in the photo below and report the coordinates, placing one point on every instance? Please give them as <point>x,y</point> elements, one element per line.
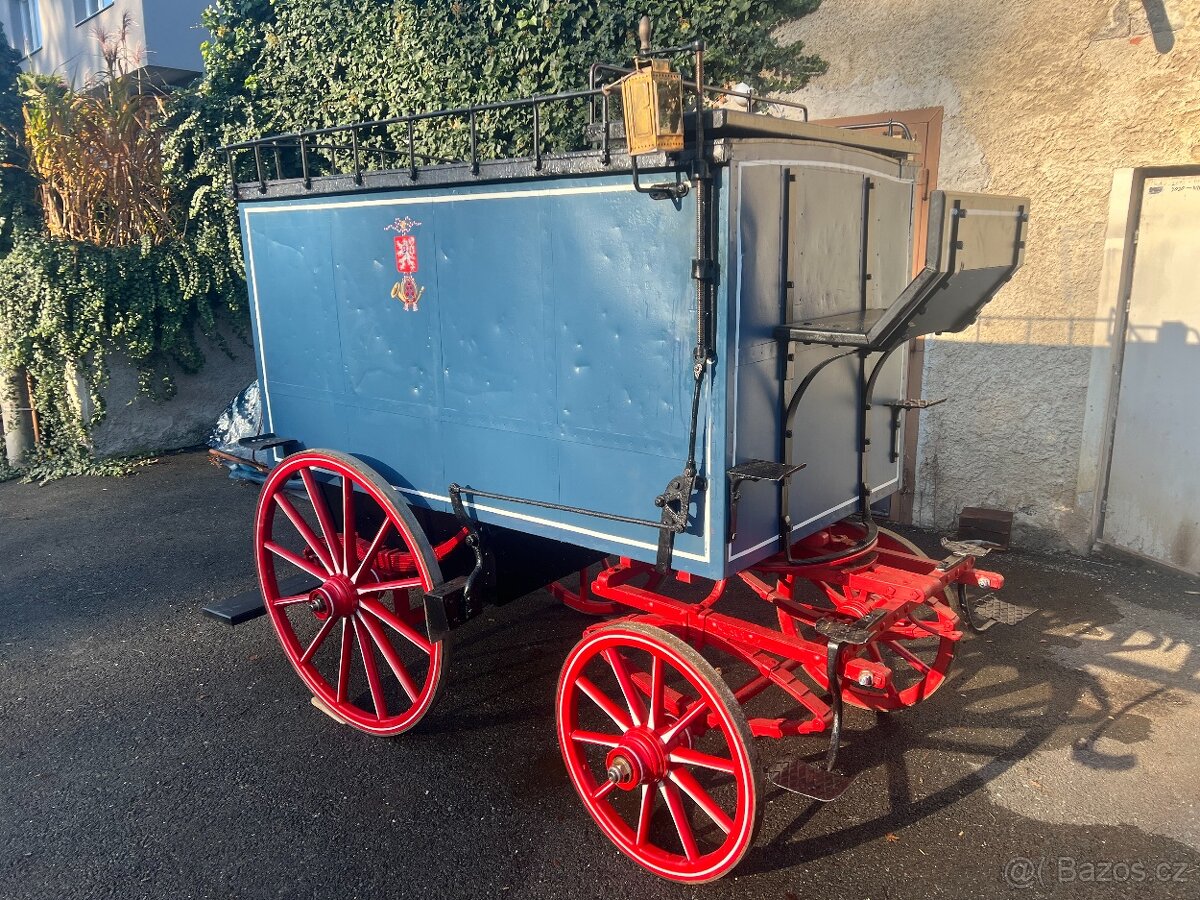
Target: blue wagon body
<point>547,357</point>
<point>548,352</point>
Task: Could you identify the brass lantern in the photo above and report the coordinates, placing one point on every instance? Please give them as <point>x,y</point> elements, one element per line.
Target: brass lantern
<point>652,100</point>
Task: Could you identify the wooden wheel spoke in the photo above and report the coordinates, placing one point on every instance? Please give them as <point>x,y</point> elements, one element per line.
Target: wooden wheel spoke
<point>687,783</point>
<point>598,697</point>
<point>688,757</point>
<point>314,543</point>
<point>395,663</point>
<point>595,737</point>
<point>657,680</point>
<point>317,641</point>
<point>645,813</point>
<point>349,535</point>
<point>389,618</point>
<point>317,499</point>
<point>298,561</point>
<point>878,657</point>
<point>382,587</point>
<point>908,656</point>
<point>679,815</point>
<point>344,662</point>
<point>291,601</point>
<point>368,655</point>
<point>632,699</point>
<point>373,549</point>
<point>698,708</point>
<point>603,790</point>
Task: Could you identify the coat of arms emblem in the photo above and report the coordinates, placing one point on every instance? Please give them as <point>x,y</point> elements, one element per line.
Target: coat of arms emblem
<point>404,245</point>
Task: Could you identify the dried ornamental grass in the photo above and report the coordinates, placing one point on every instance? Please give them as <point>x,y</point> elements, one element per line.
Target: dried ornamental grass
<point>97,152</point>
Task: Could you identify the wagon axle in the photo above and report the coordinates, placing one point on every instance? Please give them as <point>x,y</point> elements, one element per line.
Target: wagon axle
<point>640,758</point>
<point>336,599</point>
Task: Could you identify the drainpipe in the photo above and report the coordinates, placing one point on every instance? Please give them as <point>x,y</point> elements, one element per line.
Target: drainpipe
<point>16,413</point>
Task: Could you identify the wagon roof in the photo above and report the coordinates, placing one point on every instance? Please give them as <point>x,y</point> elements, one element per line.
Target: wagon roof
<point>723,127</point>
<point>735,124</point>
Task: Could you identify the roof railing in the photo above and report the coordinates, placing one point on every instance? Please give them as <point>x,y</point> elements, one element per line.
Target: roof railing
<point>268,151</point>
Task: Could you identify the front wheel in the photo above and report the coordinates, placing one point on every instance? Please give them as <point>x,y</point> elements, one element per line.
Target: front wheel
<point>344,566</point>
<point>659,751</point>
<point>918,649</point>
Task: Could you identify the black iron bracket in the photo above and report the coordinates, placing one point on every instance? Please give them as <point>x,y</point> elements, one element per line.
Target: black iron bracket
<point>480,585</point>
<point>446,607</point>
<point>898,407</point>
<point>667,190</point>
<point>706,270</point>
<point>785,449</point>
<point>833,658</point>
<point>858,632</point>
<point>674,502</point>
<point>754,470</point>
<point>967,608</point>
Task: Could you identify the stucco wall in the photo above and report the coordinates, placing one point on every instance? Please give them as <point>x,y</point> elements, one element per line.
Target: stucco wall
<point>135,423</point>
<point>1045,99</point>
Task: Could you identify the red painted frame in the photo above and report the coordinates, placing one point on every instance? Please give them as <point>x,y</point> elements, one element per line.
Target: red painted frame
<point>867,579</point>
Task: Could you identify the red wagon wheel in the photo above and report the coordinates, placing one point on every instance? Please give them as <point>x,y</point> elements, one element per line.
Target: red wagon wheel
<point>659,751</point>
<point>916,649</point>
<point>370,661</point>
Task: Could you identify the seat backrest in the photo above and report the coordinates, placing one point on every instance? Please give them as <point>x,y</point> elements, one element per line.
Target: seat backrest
<point>975,244</point>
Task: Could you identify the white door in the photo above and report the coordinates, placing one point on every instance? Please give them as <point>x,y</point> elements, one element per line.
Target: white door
<point>1153,503</point>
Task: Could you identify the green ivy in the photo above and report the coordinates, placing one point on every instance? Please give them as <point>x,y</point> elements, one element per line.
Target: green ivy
<point>284,65</point>
<point>65,306</point>
<point>49,463</point>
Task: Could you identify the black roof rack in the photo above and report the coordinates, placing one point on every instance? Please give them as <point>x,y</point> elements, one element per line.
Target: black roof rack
<point>343,156</point>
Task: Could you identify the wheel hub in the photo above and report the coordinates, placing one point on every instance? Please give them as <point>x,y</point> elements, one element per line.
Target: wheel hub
<point>640,758</point>
<point>336,598</point>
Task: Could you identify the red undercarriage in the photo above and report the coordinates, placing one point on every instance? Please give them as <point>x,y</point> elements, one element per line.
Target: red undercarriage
<point>655,709</point>
<point>901,593</point>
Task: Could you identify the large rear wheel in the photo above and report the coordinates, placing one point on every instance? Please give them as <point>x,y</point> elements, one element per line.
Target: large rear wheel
<point>344,566</point>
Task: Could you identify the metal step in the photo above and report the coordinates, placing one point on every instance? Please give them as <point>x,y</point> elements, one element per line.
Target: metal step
<point>808,780</point>
<point>1001,611</point>
<point>249,603</point>
<point>266,441</point>
<point>763,470</point>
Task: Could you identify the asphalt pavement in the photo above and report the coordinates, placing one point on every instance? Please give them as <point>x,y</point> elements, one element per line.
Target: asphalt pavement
<point>146,751</point>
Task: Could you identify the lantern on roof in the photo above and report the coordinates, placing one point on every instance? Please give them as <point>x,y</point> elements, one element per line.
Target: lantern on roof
<point>652,103</point>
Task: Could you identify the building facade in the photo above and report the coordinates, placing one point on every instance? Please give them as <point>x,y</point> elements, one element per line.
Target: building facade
<point>1067,399</point>
<point>62,36</point>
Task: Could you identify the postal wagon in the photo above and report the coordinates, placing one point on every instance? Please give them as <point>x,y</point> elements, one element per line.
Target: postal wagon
<point>640,372</point>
